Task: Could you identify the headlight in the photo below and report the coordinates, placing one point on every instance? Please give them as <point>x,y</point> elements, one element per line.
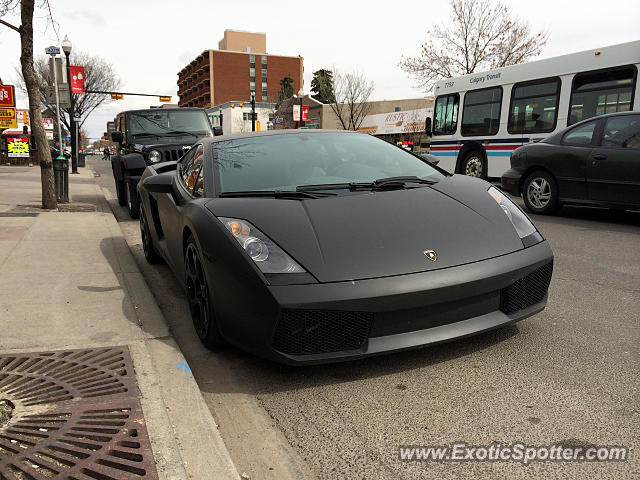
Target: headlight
<point>520,222</point>
<point>155,156</point>
<point>268,256</point>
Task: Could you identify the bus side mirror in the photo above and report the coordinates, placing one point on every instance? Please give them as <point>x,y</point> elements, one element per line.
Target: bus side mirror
<point>427,126</point>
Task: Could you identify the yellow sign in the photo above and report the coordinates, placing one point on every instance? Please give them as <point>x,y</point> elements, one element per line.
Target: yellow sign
<point>165,99</point>
<point>117,96</point>
<point>18,147</point>
<point>8,118</point>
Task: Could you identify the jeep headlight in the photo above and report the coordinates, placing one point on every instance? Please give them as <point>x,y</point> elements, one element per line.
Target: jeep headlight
<point>518,219</point>
<point>268,256</point>
<point>155,156</point>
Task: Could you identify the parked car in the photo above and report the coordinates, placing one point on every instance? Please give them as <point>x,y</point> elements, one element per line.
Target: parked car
<point>595,162</point>
<point>308,246</point>
<point>145,137</point>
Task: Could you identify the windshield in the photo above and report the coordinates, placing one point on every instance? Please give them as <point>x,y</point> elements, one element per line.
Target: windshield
<point>284,162</point>
<point>163,122</point>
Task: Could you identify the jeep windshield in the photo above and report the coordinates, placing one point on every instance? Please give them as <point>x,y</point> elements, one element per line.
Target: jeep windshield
<point>168,122</point>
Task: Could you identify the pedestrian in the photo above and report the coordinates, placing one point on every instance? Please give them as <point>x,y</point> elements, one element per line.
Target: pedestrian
<point>107,154</point>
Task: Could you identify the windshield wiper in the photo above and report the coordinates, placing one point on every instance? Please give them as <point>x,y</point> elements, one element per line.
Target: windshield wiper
<point>145,134</point>
<point>381,182</point>
<point>182,132</point>
<point>297,195</point>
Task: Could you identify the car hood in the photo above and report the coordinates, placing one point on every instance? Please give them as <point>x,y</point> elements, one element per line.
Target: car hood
<point>382,233</point>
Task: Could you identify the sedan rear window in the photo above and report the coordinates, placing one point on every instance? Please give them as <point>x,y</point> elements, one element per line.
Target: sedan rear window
<point>284,162</point>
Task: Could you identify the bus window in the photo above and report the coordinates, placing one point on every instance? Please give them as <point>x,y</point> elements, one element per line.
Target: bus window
<point>534,106</point>
<point>446,114</point>
<point>599,92</point>
<point>481,111</point>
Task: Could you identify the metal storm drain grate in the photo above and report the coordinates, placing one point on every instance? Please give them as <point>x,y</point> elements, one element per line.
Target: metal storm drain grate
<point>72,415</point>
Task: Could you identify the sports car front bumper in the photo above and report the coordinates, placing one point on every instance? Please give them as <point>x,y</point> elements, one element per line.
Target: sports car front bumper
<point>318,323</point>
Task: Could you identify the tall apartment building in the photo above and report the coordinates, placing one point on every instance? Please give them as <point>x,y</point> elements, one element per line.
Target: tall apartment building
<point>239,66</point>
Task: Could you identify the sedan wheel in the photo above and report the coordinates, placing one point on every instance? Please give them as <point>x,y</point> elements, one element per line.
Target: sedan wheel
<point>473,165</point>
<point>540,193</point>
<point>199,301</point>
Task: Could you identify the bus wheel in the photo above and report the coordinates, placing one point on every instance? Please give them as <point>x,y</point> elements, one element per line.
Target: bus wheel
<point>473,165</point>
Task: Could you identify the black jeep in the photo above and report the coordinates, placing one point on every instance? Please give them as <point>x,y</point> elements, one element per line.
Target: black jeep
<point>152,136</point>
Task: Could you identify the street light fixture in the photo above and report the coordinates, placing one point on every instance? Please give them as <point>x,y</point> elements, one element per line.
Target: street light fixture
<point>66,48</point>
<point>301,94</point>
<point>253,111</point>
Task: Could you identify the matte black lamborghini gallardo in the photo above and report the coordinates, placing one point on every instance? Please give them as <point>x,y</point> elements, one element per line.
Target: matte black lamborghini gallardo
<point>313,246</point>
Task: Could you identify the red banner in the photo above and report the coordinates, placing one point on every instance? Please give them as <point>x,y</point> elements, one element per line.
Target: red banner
<point>305,113</point>
<point>77,78</point>
<point>7,96</point>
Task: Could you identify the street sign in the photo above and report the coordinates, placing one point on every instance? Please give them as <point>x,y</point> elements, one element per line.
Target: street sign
<point>165,99</point>
<point>117,96</point>
<point>53,50</point>
<point>63,94</point>
<point>77,78</point>
<point>7,96</point>
<point>305,113</point>
<point>22,116</point>
<point>8,118</point>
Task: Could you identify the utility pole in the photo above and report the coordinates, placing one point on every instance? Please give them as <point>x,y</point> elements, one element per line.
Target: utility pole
<point>66,48</point>
<point>54,51</point>
<point>253,111</point>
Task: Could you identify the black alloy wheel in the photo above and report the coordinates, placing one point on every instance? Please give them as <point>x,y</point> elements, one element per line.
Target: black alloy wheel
<point>133,202</point>
<point>120,192</point>
<point>199,299</point>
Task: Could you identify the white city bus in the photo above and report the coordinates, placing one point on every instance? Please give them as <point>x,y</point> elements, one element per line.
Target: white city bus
<point>480,118</point>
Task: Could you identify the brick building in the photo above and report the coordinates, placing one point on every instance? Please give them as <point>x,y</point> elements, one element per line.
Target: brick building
<point>239,66</point>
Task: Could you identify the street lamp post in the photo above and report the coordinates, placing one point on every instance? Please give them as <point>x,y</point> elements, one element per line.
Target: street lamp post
<point>253,111</point>
<point>66,48</point>
<point>301,94</point>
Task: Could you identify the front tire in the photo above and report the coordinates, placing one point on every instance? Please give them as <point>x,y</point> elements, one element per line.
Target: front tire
<point>133,202</point>
<point>149,250</point>
<point>540,193</point>
<point>200,299</point>
<point>473,165</point>
<point>120,192</point>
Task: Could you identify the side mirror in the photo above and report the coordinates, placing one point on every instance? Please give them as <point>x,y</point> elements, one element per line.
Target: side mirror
<point>427,126</point>
<point>159,183</point>
<point>116,137</point>
<point>217,131</point>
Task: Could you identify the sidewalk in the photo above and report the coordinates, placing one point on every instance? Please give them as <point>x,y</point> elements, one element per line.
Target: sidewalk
<point>68,281</point>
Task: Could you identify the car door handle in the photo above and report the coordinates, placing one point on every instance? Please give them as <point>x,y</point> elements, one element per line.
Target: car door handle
<point>599,156</point>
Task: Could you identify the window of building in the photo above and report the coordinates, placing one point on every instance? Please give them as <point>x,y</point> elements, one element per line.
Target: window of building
<point>264,98</point>
<point>252,58</point>
<point>264,61</point>
<point>252,85</point>
<point>481,112</point>
<point>246,116</point>
<point>534,106</point>
<point>264,75</point>
<point>264,85</point>
<point>446,114</point>
<point>582,135</point>
<point>252,72</point>
<point>622,132</point>
<point>600,92</point>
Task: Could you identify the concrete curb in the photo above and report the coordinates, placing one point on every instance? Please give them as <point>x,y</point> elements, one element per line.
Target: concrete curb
<point>197,439</point>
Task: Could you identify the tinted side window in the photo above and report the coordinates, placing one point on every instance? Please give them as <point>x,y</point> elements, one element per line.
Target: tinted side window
<point>600,92</point>
<point>481,112</point>
<point>446,114</point>
<point>582,135</point>
<point>186,163</point>
<point>190,174</point>
<point>622,132</point>
<point>534,106</point>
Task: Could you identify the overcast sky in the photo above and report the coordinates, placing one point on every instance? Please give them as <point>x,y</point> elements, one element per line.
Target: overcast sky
<point>149,41</point>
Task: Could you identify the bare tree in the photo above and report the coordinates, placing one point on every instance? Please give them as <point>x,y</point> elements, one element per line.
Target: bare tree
<point>32,89</point>
<point>98,76</point>
<point>351,93</point>
<point>483,35</point>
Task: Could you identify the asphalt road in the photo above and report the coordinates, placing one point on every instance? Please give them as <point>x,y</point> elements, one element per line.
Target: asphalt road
<point>568,375</point>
